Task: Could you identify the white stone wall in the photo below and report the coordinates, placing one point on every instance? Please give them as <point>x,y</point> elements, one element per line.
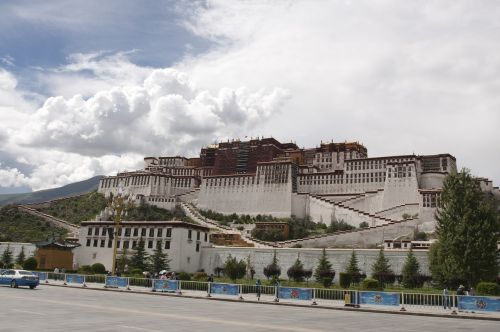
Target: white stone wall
<point>16,247</point>
<point>365,238</point>
<point>261,257</point>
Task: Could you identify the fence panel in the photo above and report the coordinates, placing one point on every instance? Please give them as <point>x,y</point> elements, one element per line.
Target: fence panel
<point>194,285</point>
<point>116,282</point>
<point>294,293</point>
<point>141,282</point>
<point>224,289</point>
<point>478,303</point>
<point>379,298</point>
<point>252,289</point>
<point>162,285</point>
<point>332,294</point>
<point>95,279</point>
<point>424,300</point>
<point>75,279</point>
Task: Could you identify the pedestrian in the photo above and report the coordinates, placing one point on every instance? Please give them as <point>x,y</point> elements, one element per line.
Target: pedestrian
<point>446,303</point>
<point>210,278</point>
<point>472,291</point>
<point>258,285</point>
<point>461,290</point>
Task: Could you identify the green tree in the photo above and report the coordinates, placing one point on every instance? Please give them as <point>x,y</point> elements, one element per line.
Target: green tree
<point>7,257</point>
<point>159,260</point>
<point>123,261</point>
<point>296,271</point>
<point>381,269</point>
<point>273,270</point>
<point>411,275</point>
<point>21,257</point>
<point>352,268</point>
<point>30,263</point>
<point>234,269</point>
<point>324,269</point>
<point>468,228</point>
<point>139,259</point>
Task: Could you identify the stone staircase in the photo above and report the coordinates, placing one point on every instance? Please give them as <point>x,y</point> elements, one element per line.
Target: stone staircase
<point>223,235</point>
<point>72,229</point>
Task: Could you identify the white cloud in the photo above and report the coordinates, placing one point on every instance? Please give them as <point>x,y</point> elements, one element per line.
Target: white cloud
<point>73,138</point>
<point>11,177</point>
<point>166,108</point>
<point>417,77</point>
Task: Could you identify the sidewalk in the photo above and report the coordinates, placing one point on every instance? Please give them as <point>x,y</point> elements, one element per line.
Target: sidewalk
<point>431,311</point>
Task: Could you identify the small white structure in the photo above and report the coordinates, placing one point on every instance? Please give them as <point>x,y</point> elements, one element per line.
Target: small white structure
<point>180,240</point>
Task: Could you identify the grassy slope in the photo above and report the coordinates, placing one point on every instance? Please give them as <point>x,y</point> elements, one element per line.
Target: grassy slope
<point>77,209</point>
<point>18,226</point>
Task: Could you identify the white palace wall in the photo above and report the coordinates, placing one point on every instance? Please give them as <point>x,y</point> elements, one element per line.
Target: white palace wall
<point>261,257</point>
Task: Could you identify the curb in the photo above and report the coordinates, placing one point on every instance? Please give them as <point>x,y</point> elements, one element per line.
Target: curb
<point>404,313</point>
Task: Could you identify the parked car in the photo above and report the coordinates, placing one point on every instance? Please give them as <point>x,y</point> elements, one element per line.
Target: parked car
<point>16,278</point>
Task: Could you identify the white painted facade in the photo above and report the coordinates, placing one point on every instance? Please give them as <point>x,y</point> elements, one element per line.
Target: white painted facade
<point>182,242</point>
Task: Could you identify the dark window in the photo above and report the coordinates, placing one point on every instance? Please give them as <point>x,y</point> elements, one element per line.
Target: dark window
<point>118,244</point>
<point>103,243</point>
<point>160,232</point>
<point>96,231</point>
<point>198,236</point>
<point>151,232</point>
<point>127,231</point>
<point>190,233</point>
<point>158,244</point>
<point>197,247</point>
<point>136,231</point>
<point>125,244</point>
<point>103,233</point>
<point>167,244</point>
<point>143,232</point>
<point>206,237</point>
<point>88,242</point>
<point>169,232</point>
<point>120,232</point>
<point>89,231</point>
<point>95,243</point>
<point>110,243</point>
<point>150,244</point>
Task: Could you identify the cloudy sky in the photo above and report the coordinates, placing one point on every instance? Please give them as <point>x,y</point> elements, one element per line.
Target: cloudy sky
<point>91,87</point>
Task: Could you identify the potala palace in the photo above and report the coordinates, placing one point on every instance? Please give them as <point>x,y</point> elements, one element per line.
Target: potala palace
<point>335,181</point>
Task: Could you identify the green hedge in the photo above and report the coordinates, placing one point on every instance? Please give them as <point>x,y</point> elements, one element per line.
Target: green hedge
<point>371,284</point>
<point>488,288</point>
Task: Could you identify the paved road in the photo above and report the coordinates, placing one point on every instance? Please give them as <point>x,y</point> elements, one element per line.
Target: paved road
<point>68,309</point>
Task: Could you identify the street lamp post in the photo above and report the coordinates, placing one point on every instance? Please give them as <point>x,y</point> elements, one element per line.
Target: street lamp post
<point>119,204</point>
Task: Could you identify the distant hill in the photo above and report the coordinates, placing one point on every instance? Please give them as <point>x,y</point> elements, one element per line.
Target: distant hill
<point>71,189</point>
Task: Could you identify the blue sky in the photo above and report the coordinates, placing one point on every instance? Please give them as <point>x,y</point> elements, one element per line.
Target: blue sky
<point>91,87</point>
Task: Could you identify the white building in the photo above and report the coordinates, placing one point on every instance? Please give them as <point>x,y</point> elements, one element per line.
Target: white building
<point>180,240</point>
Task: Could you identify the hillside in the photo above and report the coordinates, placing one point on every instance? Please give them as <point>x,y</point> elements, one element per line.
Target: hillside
<point>18,226</point>
<point>76,209</point>
<point>71,189</point>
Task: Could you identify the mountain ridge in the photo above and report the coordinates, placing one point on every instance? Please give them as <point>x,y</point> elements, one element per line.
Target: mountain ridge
<point>72,189</point>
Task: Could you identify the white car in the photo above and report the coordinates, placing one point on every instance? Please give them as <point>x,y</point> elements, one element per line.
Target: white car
<point>16,278</point>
